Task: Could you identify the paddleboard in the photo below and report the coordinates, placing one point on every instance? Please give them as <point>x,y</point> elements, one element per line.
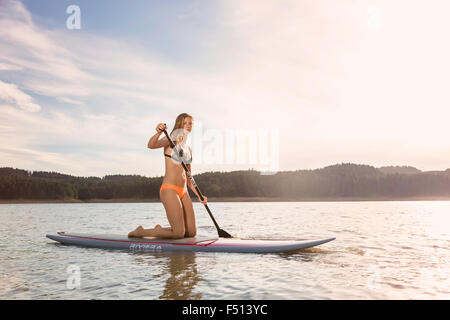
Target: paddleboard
<point>147,244</point>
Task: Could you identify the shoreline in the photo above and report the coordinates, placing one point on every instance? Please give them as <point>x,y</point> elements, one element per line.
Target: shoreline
<point>229,199</point>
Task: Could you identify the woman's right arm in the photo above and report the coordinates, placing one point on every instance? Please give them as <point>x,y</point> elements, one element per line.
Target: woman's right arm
<point>155,142</point>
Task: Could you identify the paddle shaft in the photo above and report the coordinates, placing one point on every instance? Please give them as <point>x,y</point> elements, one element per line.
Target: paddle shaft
<point>222,233</point>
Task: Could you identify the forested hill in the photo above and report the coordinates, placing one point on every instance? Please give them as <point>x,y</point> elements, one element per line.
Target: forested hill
<point>338,181</point>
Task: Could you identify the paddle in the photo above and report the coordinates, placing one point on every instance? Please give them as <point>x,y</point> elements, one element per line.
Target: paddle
<point>222,233</point>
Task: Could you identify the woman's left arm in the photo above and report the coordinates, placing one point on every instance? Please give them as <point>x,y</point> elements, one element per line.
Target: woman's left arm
<point>189,183</point>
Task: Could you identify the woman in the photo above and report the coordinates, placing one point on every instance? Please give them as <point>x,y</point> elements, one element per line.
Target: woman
<point>173,192</point>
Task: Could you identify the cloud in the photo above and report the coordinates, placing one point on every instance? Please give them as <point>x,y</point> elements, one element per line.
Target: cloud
<point>94,144</point>
<point>43,65</point>
<point>70,101</point>
<point>14,10</point>
<point>87,69</point>
<point>6,67</point>
<point>11,93</point>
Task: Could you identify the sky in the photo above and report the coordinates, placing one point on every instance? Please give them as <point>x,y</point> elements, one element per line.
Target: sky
<point>272,85</point>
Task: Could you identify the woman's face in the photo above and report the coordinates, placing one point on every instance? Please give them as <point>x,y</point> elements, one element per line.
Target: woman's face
<point>188,123</point>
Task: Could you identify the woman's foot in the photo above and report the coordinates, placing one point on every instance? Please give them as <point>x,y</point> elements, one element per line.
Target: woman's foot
<point>157,226</point>
<point>136,233</point>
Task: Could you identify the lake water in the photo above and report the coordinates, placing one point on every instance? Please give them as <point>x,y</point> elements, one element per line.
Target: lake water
<point>383,250</point>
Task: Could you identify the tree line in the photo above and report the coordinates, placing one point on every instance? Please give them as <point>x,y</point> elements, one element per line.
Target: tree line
<point>337,181</point>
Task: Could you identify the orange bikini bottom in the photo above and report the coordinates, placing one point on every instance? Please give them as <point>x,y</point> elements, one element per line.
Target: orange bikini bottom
<point>180,190</point>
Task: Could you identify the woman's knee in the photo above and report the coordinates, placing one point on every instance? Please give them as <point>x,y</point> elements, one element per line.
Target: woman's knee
<point>190,233</point>
<point>178,232</point>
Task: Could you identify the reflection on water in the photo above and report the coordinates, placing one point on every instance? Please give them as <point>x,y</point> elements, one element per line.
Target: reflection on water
<point>178,270</point>
<point>183,278</point>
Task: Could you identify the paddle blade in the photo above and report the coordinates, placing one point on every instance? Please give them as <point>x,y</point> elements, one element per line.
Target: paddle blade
<point>224,234</point>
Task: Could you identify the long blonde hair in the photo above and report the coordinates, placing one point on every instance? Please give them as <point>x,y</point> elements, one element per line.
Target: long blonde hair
<point>179,123</point>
